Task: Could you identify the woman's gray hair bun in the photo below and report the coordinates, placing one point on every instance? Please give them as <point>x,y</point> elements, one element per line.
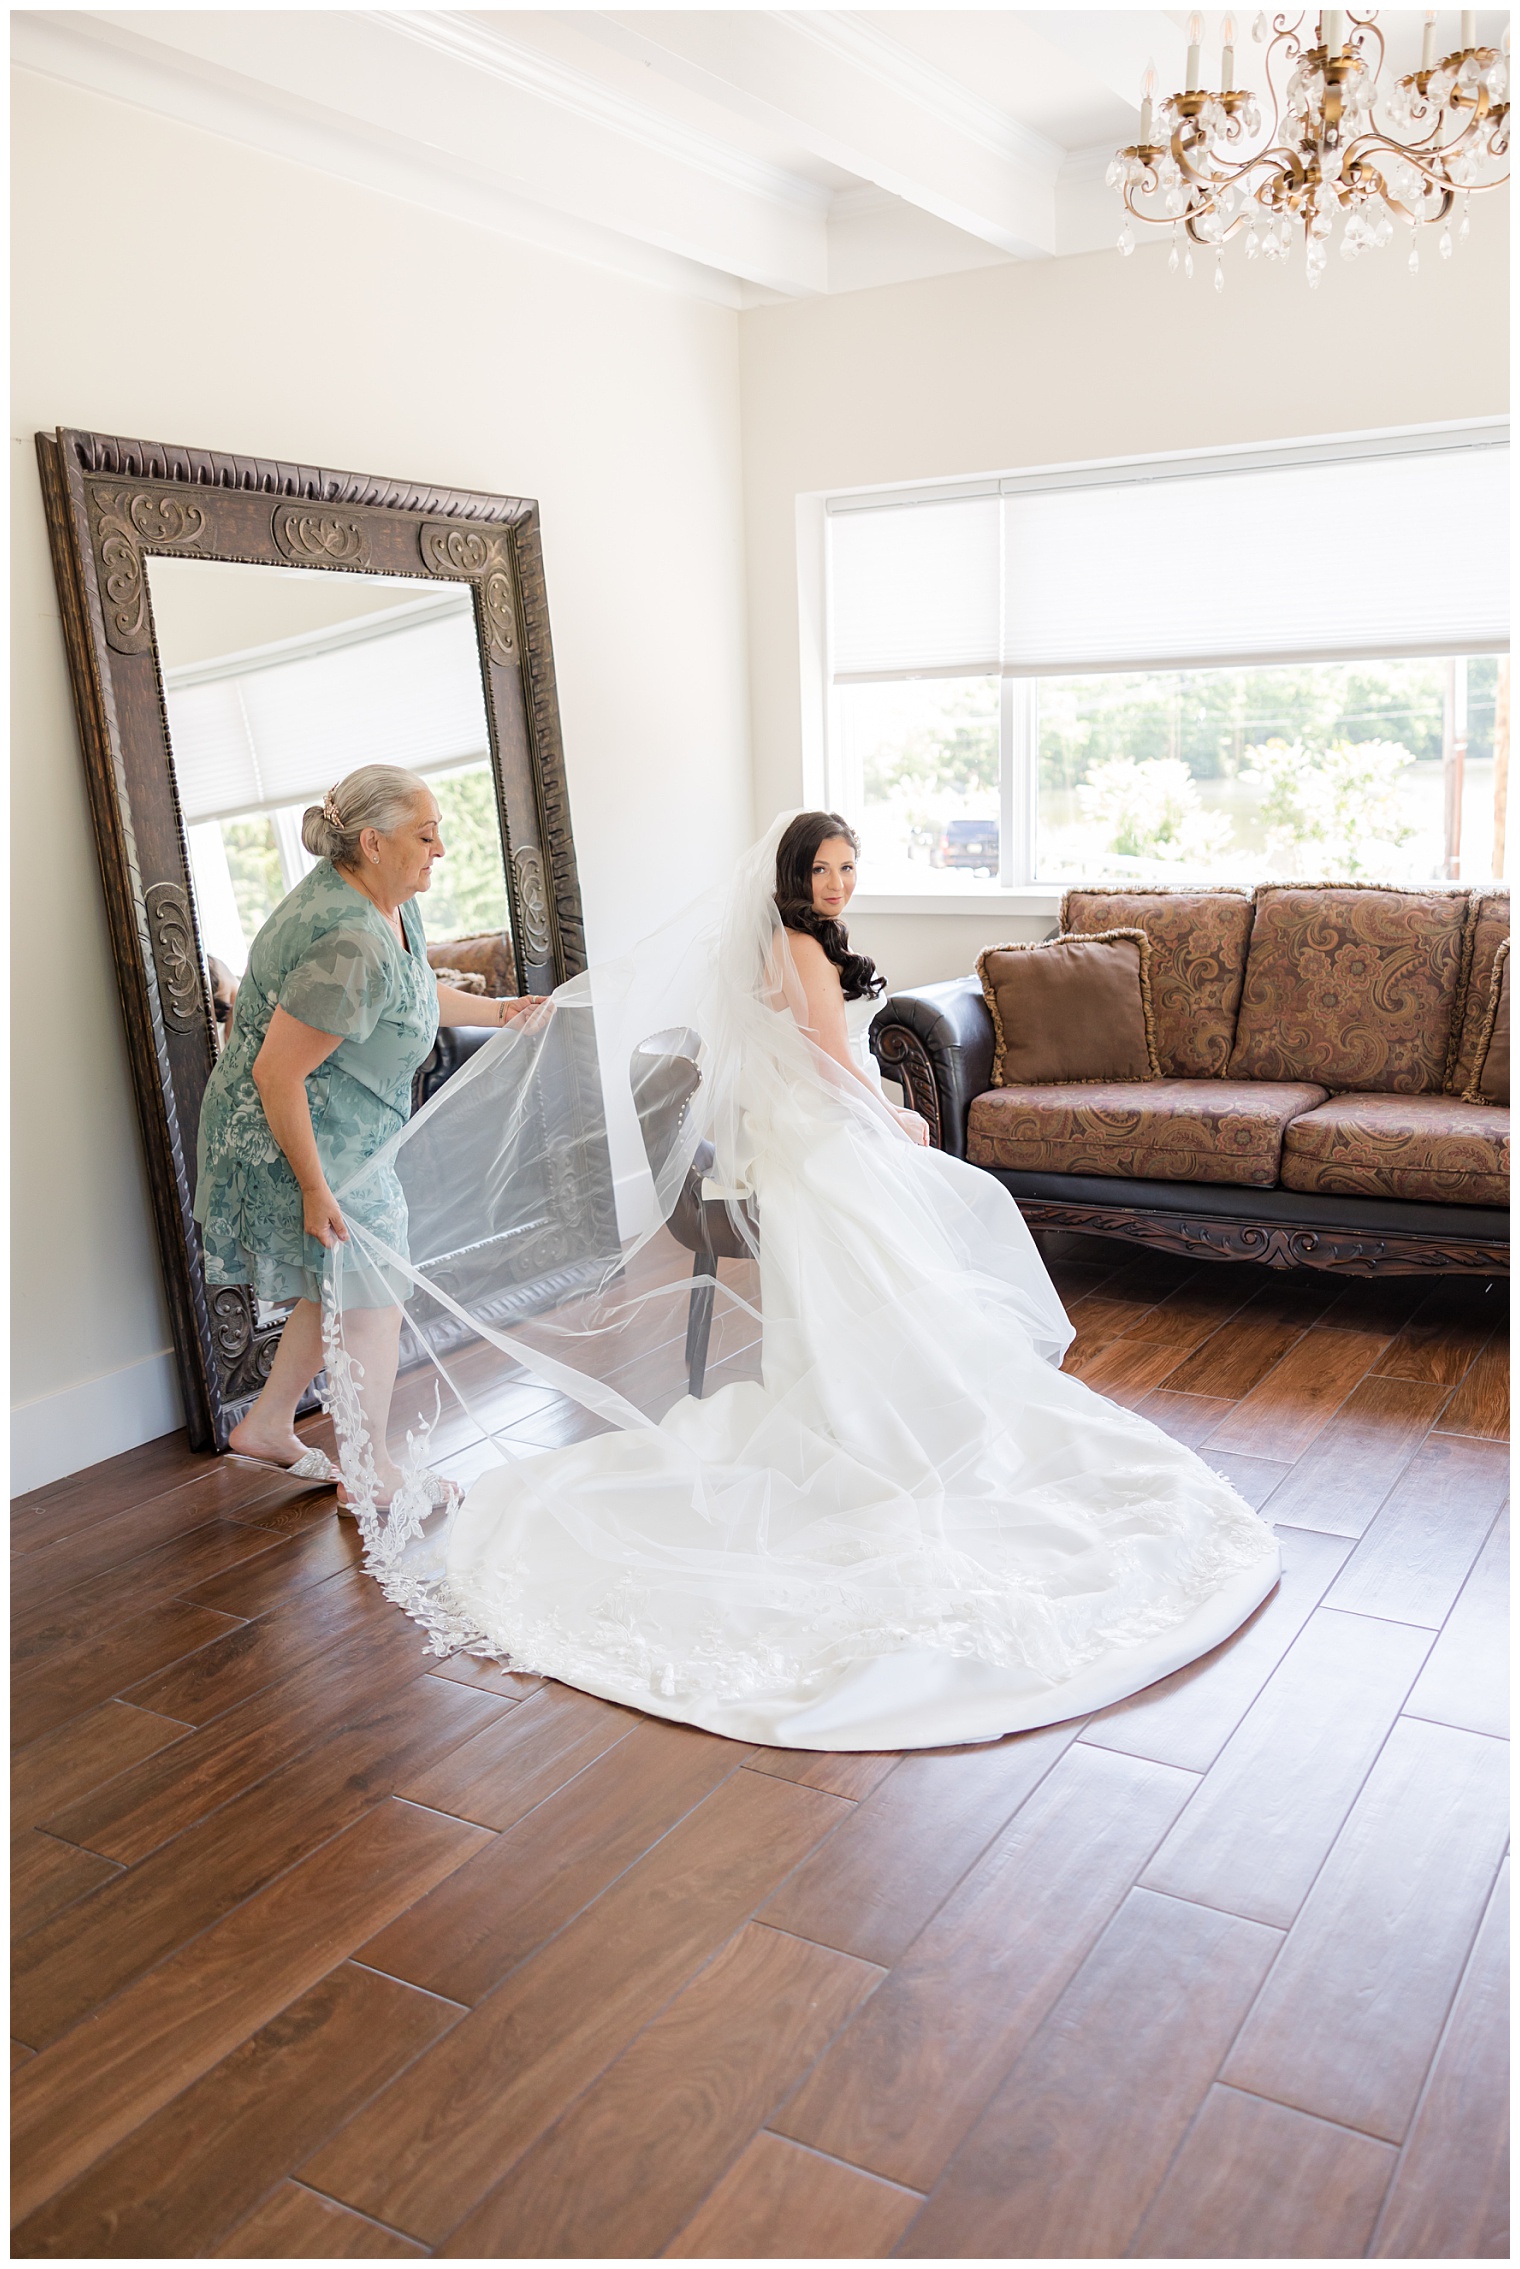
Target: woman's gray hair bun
<point>377,795</point>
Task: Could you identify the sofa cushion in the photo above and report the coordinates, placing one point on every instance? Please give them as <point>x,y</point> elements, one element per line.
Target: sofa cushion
<point>1072,1009</point>
<point>1173,1130</point>
<point>1433,1147</point>
<point>1487,929</point>
<point>1198,962</point>
<point>1490,1079</point>
<point>1351,985</point>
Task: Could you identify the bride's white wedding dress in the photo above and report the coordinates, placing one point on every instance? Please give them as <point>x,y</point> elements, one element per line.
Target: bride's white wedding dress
<point>913,1529</point>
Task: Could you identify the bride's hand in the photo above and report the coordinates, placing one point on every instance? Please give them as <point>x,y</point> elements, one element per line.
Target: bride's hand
<point>913,1125</point>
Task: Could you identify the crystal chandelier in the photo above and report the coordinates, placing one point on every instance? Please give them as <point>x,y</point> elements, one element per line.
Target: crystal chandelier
<point>1205,168</point>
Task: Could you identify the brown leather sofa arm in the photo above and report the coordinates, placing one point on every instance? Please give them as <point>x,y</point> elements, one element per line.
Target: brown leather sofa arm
<point>452,1049</point>
<point>937,1042</point>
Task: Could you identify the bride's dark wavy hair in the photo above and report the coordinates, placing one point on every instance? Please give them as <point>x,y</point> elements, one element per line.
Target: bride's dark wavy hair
<point>859,977</point>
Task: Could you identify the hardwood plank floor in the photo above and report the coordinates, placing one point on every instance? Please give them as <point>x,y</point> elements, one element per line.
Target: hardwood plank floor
<point>1258,2180</point>
<point>1481,1403</point>
<point>782,2202</point>
<point>183,2179</point>
<point>78,2098</point>
<point>1328,2033</point>
<point>1257,1831</point>
<point>1297,1399</point>
<point>1187,1719</point>
<point>438,2139</point>
<point>1465,1680</point>
<point>1347,1471</point>
<point>904,2082</point>
<point>1416,1556</point>
<point>1456,2155</point>
<point>48,1876</point>
<point>75,1963</point>
<point>62,1767</point>
<point>330,1949</point>
<point>1074,2144</point>
<point>295,2224</point>
<point>642,2148</point>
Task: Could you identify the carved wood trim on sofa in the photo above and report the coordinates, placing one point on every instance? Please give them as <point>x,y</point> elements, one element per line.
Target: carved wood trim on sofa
<point>1347,1252</point>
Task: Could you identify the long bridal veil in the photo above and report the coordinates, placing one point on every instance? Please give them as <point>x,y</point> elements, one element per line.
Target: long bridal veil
<point>757,1404</point>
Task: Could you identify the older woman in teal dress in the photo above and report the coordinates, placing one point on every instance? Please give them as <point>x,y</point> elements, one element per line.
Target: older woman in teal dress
<point>338,1008</point>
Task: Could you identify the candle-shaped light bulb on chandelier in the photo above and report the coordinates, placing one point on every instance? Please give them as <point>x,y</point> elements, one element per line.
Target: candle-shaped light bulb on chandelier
<point>1469,27</point>
<point>1227,60</point>
<point>1147,101</point>
<point>1428,50</point>
<point>1195,42</point>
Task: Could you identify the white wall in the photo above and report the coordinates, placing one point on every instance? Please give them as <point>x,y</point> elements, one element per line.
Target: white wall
<point>175,285</point>
<point>1066,360</point>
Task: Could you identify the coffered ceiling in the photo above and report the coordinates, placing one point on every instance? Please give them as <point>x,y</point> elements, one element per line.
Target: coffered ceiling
<point>742,155</point>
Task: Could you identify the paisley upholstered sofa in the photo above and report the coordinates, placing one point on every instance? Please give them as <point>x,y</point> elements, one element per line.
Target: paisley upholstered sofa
<point>1332,1090</point>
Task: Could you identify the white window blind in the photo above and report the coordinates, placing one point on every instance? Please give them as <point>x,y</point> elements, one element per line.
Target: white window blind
<point>1368,555</point>
<point>916,589</point>
<point>279,731</point>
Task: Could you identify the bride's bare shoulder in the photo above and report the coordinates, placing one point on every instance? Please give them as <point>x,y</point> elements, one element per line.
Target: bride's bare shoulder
<point>799,975</point>
<point>808,955</point>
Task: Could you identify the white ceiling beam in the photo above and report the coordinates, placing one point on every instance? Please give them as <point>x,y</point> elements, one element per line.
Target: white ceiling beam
<point>1113,45</point>
<point>443,90</point>
<point>837,85</point>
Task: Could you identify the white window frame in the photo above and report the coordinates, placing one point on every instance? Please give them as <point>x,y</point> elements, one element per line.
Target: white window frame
<point>1018,729</point>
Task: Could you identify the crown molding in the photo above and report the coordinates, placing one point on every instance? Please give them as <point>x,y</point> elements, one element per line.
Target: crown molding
<point>1085,165</point>
<point>865,198</point>
<point>485,49</point>
<point>932,91</point>
<point>104,58</point>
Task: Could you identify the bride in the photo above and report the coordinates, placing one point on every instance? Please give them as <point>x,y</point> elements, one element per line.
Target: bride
<point>891,1520</point>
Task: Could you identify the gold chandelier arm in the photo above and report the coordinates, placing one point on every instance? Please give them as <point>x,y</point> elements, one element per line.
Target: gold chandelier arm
<point>1229,229</point>
<point>1182,159</point>
<point>1370,24</point>
<point>1285,37</point>
<point>1430,158</point>
<point>1428,146</point>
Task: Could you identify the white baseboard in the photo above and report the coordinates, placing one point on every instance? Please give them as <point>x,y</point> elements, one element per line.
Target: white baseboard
<point>64,1432</point>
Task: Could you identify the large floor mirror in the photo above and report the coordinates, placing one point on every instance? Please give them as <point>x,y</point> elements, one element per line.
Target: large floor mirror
<point>241,634</point>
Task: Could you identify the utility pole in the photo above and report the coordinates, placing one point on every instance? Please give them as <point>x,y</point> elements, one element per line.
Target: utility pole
<point>1501,766</point>
<point>1454,762</point>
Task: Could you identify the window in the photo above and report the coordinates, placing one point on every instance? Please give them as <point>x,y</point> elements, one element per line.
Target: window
<point>258,737</point>
<point>1289,664</point>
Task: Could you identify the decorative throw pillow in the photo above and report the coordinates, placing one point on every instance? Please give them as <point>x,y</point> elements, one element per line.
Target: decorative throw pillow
<point>1486,930</point>
<point>1071,1009</point>
<point>1198,964</point>
<point>1490,1079</point>
<point>462,980</point>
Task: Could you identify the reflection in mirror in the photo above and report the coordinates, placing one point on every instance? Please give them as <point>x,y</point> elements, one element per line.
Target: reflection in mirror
<point>279,681</point>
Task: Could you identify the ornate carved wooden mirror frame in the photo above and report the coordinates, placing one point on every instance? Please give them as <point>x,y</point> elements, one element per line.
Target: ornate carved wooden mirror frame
<point>111,504</point>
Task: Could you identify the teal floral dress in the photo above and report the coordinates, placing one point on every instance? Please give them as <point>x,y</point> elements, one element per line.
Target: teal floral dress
<point>329,958</point>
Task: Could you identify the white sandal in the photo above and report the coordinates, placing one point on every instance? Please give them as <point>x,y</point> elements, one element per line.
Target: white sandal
<point>423,1493</point>
<point>312,1465</point>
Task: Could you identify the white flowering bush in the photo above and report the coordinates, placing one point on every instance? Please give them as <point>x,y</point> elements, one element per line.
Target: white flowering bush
<point>1151,810</point>
<point>1336,811</point>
